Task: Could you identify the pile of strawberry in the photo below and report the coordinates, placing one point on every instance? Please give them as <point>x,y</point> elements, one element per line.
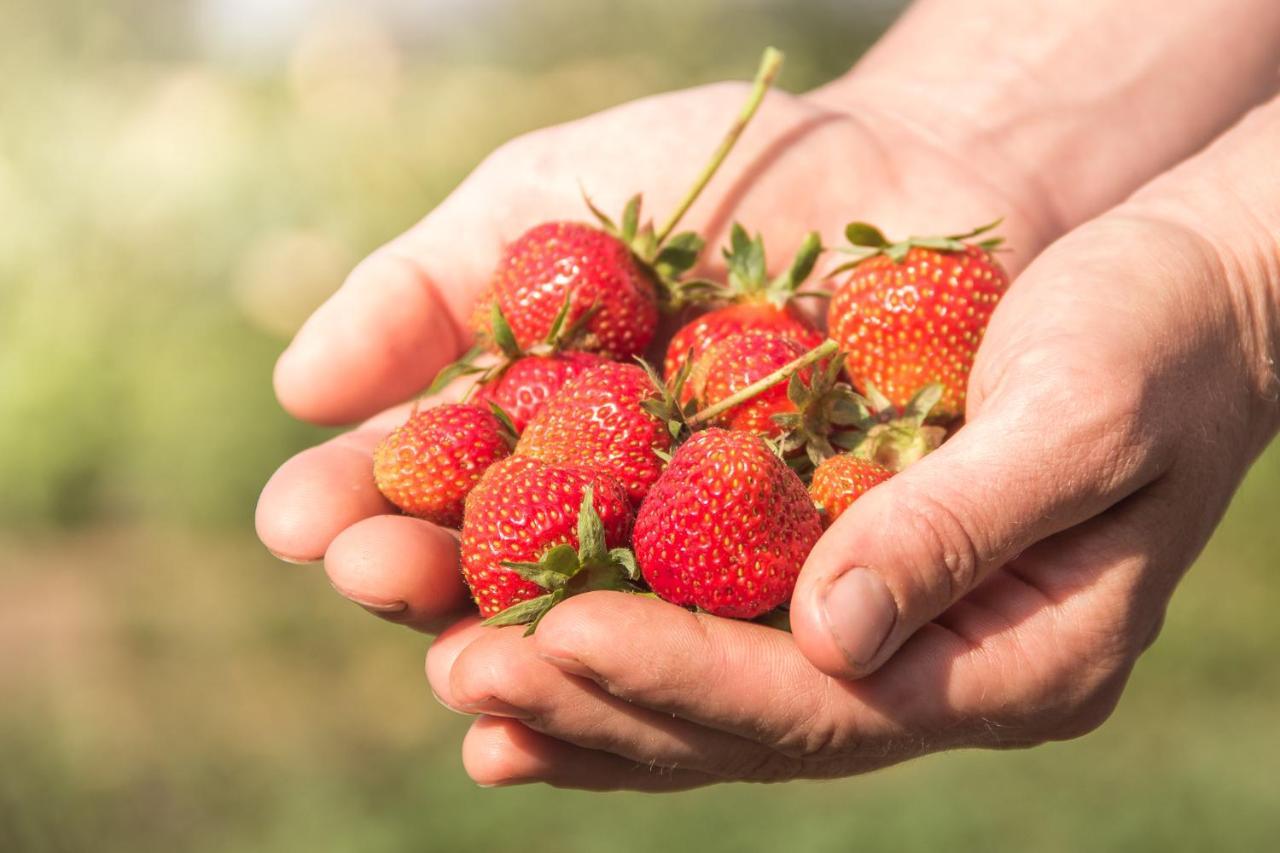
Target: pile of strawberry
<point>572,465</point>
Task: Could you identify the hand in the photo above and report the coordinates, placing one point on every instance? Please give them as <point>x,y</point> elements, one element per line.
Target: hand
<point>1014,576</point>
<point>804,162</point>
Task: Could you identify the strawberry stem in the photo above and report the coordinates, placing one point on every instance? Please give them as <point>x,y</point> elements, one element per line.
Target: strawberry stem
<point>782,374</point>
<point>770,63</point>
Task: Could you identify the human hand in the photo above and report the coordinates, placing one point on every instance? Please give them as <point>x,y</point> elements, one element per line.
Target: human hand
<point>996,594</point>
<point>804,162</point>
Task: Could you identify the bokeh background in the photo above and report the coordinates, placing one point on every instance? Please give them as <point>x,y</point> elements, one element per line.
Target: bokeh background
<point>181,181</point>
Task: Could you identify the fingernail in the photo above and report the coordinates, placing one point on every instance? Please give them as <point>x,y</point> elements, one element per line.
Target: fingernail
<point>297,561</point>
<point>859,612</point>
<point>378,608</point>
<point>573,666</point>
<point>494,707</point>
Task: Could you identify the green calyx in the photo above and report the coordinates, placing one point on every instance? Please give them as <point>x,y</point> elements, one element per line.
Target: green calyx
<point>748,279</point>
<point>895,439</point>
<point>867,241</point>
<point>565,571</point>
<point>832,418</point>
<point>825,408</point>
<point>669,255</point>
<point>665,403</point>
<point>561,335</point>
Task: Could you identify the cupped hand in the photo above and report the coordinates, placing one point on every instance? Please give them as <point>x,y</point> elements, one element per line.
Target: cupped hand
<point>996,594</point>
<point>805,162</point>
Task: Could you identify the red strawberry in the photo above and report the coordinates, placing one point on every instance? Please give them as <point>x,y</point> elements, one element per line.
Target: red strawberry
<point>914,312</point>
<point>429,464</point>
<point>842,479</point>
<point>737,362</point>
<point>599,420</point>
<point>755,301</point>
<point>612,276</point>
<point>612,292</point>
<point>726,527</point>
<point>534,533</point>
<point>525,386</point>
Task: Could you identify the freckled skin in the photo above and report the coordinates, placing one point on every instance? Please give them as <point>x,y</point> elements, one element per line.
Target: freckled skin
<point>521,509</point>
<point>523,389</point>
<point>701,333</point>
<point>726,527</point>
<point>555,258</point>
<point>905,325</point>
<point>735,363</point>
<point>429,464</point>
<point>596,421</point>
<point>841,480</point>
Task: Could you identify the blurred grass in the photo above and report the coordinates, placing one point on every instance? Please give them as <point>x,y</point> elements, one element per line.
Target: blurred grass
<point>172,204</point>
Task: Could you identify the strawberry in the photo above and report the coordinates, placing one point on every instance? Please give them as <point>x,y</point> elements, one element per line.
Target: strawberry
<point>737,362</point>
<point>600,420</point>
<point>613,293</point>
<point>613,276</point>
<point>534,533</point>
<point>914,312</point>
<point>726,527</point>
<point>525,386</point>
<point>754,301</point>
<point>427,466</point>
<point>842,479</point>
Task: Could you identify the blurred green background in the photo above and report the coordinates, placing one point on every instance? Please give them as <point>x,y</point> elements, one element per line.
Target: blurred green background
<point>180,183</point>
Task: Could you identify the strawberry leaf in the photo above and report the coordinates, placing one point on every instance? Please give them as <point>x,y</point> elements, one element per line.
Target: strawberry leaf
<point>464,366</point>
<point>502,334</point>
<point>591,548</point>
<point>626,560</point>
<point>630,220</point>
<point>865,235</point>
<point>526,612</point>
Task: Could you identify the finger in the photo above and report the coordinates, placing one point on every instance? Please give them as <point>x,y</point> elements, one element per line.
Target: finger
<point>399,317</point>
<point>500,751</point>
<point>737,677</point>
<point>499,673</point>
<point>444,651</point>
<point>913,546</point>
<point>402,569</point>
<point>319,493</point>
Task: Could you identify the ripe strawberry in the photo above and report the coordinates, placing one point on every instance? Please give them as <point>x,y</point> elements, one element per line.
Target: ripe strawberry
<point>737,362</point>
<point>599,420</point>
<point>726,527</point>
<point>842,479</point>
<point>524,387</point>
<point>755,301</point>
<point>534,533</point>
<point>914,312</point>
<point>612,276</point>
<point>427,466</point>
<point>612,292</point>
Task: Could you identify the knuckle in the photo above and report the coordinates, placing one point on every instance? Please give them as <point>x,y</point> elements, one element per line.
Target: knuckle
<point>816,733</point>
<point>949,549</point>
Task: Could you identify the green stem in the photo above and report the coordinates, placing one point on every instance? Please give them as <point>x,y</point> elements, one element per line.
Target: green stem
<point>780,375</point>
<point>770,63</point>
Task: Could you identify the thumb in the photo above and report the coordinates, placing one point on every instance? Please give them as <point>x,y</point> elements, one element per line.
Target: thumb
<point>912,546</point>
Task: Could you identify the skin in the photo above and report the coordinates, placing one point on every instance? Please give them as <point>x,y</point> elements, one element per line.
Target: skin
<point>1025,565</point>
